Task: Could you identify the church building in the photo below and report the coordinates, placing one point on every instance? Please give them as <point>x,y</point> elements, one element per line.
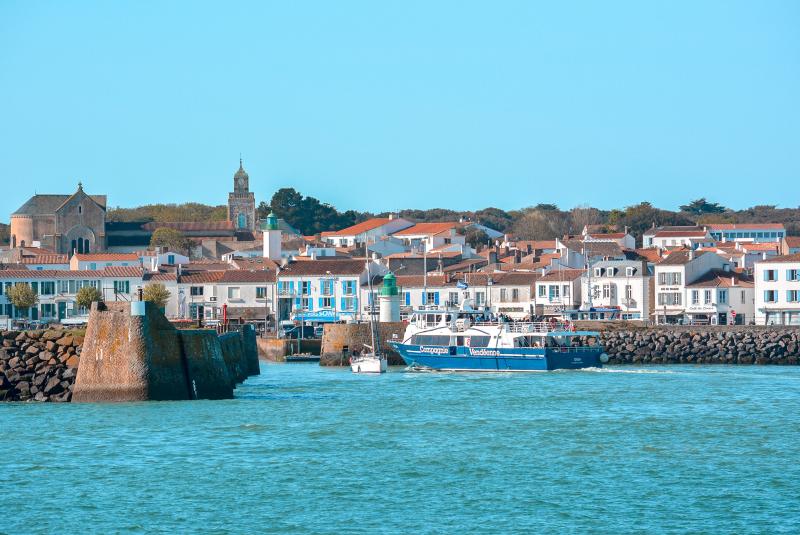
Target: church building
<point>242,202</point>
<point>65,224</point>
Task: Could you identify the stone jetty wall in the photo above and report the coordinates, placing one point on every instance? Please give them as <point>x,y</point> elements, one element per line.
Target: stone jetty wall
<point>355,336</point>
<point>132,353</point>
<point>38,365</point>
<point>708,345</point>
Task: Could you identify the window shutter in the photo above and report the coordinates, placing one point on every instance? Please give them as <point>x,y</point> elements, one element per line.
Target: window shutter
<point>342,303</point>
<point>320,303</point>
<point>408,298</point>
<point>297,302</point>
<point>424,298</point>
<point>310,304</point>
<point>765,275</point>
<point>436,298</point>
<point>355,303</point>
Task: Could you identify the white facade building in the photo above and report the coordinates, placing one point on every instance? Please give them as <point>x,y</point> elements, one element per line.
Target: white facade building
<point>777,291</point>
<point>673,274</point>
<point>56,291</point>
<point>368,231</point>
<point>616,290</point>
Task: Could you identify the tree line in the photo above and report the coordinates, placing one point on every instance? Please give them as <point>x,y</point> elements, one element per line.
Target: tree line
<point>538,222</point>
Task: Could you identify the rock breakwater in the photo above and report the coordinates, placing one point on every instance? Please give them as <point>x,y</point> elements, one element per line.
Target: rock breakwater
<point>38,365</point>
<point>748,345</point>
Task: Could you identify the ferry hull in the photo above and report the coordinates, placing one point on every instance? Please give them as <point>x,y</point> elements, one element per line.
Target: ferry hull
<point>499,360</point>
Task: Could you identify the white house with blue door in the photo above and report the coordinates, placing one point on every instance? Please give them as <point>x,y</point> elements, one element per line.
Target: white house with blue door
<point>323,290</point>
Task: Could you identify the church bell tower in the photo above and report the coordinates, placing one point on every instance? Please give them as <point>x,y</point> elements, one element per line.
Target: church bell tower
<point>242,202</point>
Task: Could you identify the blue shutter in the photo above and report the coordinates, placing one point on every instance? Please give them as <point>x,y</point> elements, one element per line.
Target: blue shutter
<point>766,296</point>
<point>408,298</point>
<point>310,304</point>
<point>424,298</point>
<point>765,274</point>
<point>296,302</point>
<point>342,307</point>
<point>436,298</point>
<point>344,287</point>
<point>280,286</point>
<point>319,302</point>
<point>355,303</point>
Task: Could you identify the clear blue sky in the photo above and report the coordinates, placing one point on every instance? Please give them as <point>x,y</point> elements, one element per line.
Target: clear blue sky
<point>386,105</point>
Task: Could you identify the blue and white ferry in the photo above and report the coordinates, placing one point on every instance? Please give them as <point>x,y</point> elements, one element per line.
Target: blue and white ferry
<point>467,340</point>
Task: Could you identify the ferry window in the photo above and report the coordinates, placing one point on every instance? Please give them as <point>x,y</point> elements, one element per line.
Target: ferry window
<point>459,340</point>
<point>479,341</point>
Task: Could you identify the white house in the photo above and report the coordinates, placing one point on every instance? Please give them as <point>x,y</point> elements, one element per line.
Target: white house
<point>428,236</point>
<point>323,290</point>
<point>368,231</point>
<point>615,290</point>
<point>673,274</point>
<point>720,297</point>
<point>558,291</point>
<point>777,290</point>
<point>691,237</point>
<point>95,261</point>
<point>754,232</point>
<point>56,291</point>
<point>154,259</point>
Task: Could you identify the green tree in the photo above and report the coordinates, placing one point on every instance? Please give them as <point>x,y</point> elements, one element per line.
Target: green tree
<point>22,296</point>
<point>173,239</point>
<point>701,207</point>
<point>156,293</point>
<point>88,295</point>
<point>475,237</point>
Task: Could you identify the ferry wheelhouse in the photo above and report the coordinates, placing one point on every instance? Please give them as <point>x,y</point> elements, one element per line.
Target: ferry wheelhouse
<point>468,340</point>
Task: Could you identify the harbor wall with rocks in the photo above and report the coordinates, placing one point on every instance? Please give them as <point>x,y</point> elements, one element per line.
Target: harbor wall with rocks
<point>38,365</point>
<point>702,345</point>
<point>355,336</point>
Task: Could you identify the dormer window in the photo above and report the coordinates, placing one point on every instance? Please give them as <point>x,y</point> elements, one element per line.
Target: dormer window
<point>598,272</point>
<point>629,271</point>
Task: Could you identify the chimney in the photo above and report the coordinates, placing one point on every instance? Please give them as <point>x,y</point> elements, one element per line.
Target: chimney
<point>691,254</point>
<point>391,216</point>
<point>733,280</point>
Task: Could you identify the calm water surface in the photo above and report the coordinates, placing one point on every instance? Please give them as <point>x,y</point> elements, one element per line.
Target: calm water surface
<point>305,449</point>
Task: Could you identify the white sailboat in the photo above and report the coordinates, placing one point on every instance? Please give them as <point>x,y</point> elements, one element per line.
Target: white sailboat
<point>373,361</point>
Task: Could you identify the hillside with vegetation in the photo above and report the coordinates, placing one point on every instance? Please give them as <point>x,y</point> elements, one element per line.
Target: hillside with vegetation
<point>540,222</point>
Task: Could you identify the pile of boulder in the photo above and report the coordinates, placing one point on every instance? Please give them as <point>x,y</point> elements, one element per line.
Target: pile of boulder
<point>755,345</point>
<point>38,365</point>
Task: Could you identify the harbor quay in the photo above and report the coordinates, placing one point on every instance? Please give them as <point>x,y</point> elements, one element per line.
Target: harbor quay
<point>44,365</point>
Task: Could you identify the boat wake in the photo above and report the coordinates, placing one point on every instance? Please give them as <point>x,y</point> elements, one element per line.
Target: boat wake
<point>617,370</point>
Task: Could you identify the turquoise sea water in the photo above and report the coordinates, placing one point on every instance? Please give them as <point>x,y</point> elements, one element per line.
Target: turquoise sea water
<point>304,449</point>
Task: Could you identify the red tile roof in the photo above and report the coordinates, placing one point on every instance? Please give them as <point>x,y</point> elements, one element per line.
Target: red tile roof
<point>127,272</point>
<point>107,257</point>
<point>563,275</point>
<point>360,228</point>
<point>201,277</point>
<point>246,275</point>
<point>781,259</point>
<point>773,246</point>
<point>723,279</point>
<point>322,267</point>
<point>45,259</point>
<point>679,258</point>
<point>427,229</point>
<point>681,233</point>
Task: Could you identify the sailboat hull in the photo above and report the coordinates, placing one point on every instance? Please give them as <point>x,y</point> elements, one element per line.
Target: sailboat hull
<point>369,364</point>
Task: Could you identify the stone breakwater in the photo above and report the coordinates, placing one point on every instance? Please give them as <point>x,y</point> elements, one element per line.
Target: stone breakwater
<point>749,345</point>
<point>38,365</point>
